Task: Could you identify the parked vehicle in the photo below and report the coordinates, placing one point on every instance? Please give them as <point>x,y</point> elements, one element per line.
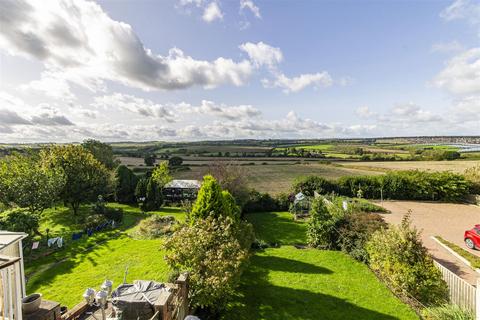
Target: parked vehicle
<point>472,237</point>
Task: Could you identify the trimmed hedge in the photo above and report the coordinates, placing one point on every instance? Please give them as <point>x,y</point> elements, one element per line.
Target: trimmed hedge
<point>397,185</point>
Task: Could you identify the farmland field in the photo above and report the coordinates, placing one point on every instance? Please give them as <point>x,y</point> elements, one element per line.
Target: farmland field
<point>275,178</point>
<point>458,166</point>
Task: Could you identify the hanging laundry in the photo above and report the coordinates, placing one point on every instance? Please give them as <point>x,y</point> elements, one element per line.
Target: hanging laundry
<point>35,245</point>
<point>52,241</point>
<point>76,236</point>
<point>60,242</point>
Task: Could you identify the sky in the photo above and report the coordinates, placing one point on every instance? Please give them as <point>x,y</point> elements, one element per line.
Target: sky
<point>183,70</point>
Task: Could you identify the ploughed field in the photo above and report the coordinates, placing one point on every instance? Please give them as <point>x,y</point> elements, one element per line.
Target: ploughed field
<point>280,283</point>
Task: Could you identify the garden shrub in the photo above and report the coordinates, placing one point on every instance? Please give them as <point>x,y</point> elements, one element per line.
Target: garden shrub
<point>155,226</point>
<point>398,256</point>
<point>19,220</point>
<point>323,225</point>
<point>212,201</point>
<point>260,202</point>
<point>447,312</point>
<point>356,231</point>
<point>94,220</point>
<point>214,251</point>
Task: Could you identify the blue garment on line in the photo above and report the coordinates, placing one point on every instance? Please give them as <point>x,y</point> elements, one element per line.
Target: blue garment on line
<point>77,236</point>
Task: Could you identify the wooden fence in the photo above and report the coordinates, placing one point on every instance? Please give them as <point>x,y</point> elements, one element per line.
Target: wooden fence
<point>461,292</point>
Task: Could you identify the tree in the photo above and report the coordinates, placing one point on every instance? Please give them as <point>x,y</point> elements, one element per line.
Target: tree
<point>149,159</point>
<point>214,252</point>
<point>175,161</point>
<point>161,174</point>
<point>85,177</point>
<point>19,220</point>
<point>101,151</point>
<point>232,178</point>
<point>25,183</point>
<point>125,184</point>
<point>211,201</point>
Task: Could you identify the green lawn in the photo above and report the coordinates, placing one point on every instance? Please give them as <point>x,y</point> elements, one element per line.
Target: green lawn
<point>64,275</point>
<point>288,283</point>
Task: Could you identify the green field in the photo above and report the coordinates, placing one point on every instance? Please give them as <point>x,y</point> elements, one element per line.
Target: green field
<point>288,283</point>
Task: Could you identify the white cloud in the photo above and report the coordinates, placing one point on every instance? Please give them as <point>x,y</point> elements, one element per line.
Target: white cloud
<point>262,54</point>
<point>248,4</point>
<point>143,107</point>
<point>365,112</point>
<point>52,85</point>
<point>298,83</point>
<point>50,116</point>
<point>10,117</point>
<point>82,44</point>
<point>222,110</point>
<point>467,109</point>
<point>212,12</point>
<point>461,74</point>
<point>411,113</point>
<point>463,9</point>
<point>447,47</point>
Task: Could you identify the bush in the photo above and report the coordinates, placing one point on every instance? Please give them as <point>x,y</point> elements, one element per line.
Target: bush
<point>214,251</point>
<point>356,231</point>
<point>473,176</point>
<point>323,225</point>
<point>19,220</point>
<point>447,312</point>
<point>212,201</point>
<point>260,202</point>
<point>403,185</point>
<point>155,226</point>
<point>115,214</point>
<point>398,256</point>
<point>94,220</point>
<point>308,185</point>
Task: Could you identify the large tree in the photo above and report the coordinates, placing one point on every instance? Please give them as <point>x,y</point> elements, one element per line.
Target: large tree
<point>232,178</point>
<point>85,177</point>
<point>25,183</point>
<point>101,151</point>
<point>124,185</point>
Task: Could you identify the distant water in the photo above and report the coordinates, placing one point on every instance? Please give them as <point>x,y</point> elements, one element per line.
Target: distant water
<point>466,147</point>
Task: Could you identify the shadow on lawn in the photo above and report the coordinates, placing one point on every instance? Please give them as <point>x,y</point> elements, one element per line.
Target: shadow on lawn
<point>260,299</point>
<point>273,228</point>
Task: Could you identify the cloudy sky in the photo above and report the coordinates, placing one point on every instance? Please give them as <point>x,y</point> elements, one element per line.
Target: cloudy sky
<point>223,69</point>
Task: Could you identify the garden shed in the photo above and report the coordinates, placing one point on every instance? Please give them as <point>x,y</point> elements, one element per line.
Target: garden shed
<point>178,190</point>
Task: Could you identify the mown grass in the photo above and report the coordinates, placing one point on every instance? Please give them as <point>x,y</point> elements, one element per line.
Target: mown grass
<point>289,283</point>
<point>64,275</point>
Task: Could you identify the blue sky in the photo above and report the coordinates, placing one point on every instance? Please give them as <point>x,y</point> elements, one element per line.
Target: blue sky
<point>113,70</point>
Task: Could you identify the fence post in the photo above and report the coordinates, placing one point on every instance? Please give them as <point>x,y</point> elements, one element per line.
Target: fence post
<point>477,300</point>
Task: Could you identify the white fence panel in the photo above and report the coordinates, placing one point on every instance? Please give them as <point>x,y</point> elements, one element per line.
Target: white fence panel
<point>461,292</point>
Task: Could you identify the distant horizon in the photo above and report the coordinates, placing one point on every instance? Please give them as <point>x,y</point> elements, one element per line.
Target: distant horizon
<point>248,139</point>
<point>183,70</point>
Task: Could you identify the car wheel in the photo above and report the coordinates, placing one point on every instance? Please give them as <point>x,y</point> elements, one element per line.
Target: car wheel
<point>469,243</point>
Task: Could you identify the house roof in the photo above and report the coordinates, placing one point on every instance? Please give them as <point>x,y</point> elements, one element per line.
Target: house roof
<point>184,184</point>
<point>7,238</point>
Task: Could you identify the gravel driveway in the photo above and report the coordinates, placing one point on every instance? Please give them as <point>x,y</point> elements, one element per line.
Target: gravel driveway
<point>443,219</point>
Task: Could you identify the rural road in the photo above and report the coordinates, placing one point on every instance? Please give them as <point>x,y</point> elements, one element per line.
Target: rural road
<point>443,219</point>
